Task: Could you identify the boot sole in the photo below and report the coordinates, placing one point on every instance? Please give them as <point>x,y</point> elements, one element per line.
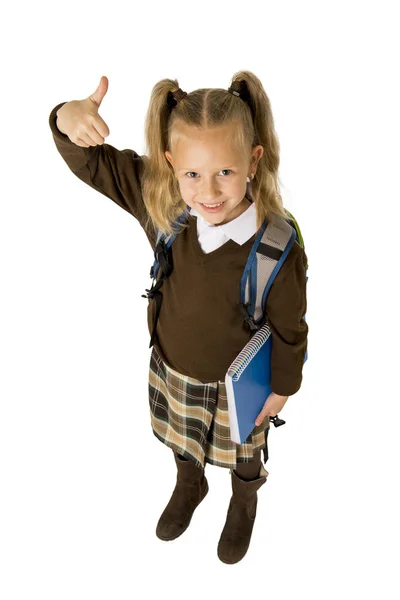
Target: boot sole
<point>169,539</point>
<point>231,562</point>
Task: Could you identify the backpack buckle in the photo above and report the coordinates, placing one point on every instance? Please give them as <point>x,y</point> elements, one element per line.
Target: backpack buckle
<point>150,294</point>
<point>162,254</point>
<point>277,421</point>
<point>247,316</point>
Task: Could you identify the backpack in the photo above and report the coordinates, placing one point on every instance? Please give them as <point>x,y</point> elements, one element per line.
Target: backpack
<point>268,253</point>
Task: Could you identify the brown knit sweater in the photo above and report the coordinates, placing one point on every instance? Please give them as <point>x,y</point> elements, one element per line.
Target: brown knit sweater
<point>200,328</point>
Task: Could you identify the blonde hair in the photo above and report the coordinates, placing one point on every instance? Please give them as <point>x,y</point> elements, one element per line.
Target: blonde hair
<point>252,125</point>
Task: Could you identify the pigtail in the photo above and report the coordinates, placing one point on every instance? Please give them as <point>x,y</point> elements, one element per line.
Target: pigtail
<point>160,188</point>
<point>265,185</point>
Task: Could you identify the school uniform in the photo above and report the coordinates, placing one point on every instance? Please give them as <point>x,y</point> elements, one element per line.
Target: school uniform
<point>200,329</point>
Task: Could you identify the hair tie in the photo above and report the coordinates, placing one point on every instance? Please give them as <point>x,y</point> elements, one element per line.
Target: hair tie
<point>233,89</point>
<point>174,97</point>
<point>240,89</point>
<point>179,94</point>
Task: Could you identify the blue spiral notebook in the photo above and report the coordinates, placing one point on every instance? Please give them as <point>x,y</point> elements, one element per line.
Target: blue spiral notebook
<point>247,384</point>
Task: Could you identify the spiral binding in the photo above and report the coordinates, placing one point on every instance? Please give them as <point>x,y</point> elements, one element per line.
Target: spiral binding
<point>246,355</point>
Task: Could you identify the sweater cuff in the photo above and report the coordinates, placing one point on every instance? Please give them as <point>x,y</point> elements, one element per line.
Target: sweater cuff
<point>284,389</point>
<point>53,126</point>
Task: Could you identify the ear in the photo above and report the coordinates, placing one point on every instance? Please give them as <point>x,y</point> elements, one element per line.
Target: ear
<point>168,156</point>
<point>257,153</point>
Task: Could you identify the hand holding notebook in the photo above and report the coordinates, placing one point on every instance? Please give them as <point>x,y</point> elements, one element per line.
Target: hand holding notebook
<point>272,407</point>
<point>247,384</point>
<point>248,390</point>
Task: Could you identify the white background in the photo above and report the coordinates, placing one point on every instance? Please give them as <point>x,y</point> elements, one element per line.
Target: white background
<point>83,479</point>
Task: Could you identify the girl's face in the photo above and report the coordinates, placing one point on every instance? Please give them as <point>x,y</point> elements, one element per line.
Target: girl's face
<point>210,171</point>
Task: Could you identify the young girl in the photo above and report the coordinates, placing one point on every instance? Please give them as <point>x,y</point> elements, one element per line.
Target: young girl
<point>216,151</point>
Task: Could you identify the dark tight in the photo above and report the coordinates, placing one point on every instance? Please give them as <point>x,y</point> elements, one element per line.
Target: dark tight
<point>249,470</point>
<point>246,470</point>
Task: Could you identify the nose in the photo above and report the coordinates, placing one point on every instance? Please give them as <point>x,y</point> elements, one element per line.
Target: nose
<point>209,193</point>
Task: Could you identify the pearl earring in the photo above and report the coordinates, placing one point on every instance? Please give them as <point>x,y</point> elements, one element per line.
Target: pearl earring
<point>250,178</point>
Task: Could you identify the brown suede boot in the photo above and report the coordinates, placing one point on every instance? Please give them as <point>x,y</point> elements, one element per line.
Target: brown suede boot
<point>236,534</point>
<point>190,489</point>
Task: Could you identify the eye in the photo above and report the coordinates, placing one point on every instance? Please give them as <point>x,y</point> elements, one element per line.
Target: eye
<point>222,170</point>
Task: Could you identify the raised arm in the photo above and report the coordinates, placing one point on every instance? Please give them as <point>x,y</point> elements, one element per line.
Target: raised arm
<point>114,173</point>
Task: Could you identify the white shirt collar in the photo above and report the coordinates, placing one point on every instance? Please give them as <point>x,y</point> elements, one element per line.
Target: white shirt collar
<point>239,229</point>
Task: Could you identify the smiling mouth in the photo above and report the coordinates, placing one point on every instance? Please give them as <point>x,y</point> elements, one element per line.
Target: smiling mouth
<point>217,204</point>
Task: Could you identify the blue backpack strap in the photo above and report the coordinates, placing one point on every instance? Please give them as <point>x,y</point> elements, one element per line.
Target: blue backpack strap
<point>269,251</point>
<point>163,245</point>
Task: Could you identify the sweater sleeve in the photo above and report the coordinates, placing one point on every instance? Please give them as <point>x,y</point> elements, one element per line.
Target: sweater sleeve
<point>112,172</point>
<point>285,308</point>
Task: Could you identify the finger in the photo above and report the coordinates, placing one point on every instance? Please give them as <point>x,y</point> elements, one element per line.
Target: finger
<point>261,418</point>
<point>101,126</point>
<point>81,143</point>
<point>94,135</point>
<point>88,137</point>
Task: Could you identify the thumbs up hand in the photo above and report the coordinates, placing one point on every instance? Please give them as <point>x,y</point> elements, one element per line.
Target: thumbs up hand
<point>80,120</point>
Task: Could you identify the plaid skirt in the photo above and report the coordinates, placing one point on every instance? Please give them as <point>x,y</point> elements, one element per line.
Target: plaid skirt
<point>191,417</point>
